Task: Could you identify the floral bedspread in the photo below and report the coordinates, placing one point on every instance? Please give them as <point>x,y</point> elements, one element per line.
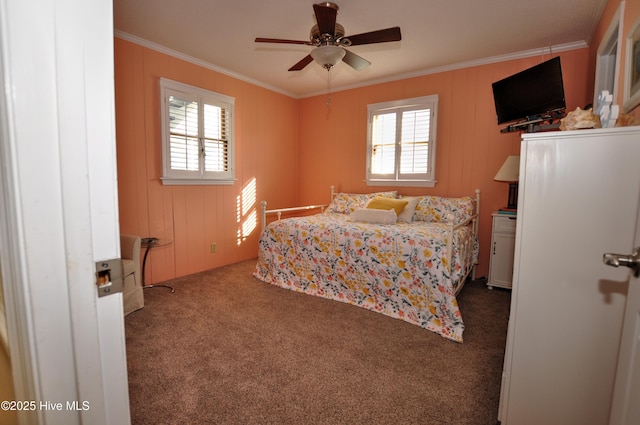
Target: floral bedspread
<point>399,270</point>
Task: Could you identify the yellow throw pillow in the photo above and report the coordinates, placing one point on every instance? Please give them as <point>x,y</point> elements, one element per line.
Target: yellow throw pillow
<point>382,203</point>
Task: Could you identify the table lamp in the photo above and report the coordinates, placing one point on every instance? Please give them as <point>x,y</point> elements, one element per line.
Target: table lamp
<point>509,172</point>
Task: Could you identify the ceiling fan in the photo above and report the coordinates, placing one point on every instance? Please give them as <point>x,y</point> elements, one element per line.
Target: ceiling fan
<point>329,40</point>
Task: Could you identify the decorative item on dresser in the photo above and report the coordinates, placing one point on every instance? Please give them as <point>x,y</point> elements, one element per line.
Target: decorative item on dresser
<point>408,260</point>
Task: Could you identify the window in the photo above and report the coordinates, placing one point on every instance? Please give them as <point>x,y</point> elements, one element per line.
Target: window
<point>197,135</point>
<point>608,60</point>
<point>401,142</point>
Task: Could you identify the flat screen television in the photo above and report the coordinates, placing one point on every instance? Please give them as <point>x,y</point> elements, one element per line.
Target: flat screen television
<point>530,93</point>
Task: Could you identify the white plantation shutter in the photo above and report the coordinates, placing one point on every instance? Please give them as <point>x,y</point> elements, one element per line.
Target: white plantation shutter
<point>383,156</point>
<point>401,145</point>
<point>184,141</point>
<point>414,142</point>
<point>215,139</point>
<point>198,135</point>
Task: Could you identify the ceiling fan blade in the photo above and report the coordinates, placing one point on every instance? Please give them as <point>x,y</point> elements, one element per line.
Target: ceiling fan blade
<point>282,41</point>
<point>326,18</point>
<point>356,62</point>
<point>380,36</point>
<point>300,65</point>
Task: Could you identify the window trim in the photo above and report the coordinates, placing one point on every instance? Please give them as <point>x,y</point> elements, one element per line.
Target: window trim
<point>608,59</point>
<point>404,104</point>
<point>183,177</point>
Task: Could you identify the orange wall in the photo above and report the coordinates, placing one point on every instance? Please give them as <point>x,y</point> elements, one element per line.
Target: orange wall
<point>470,147</point>
<point>193,217</point>
<point>294,150</point>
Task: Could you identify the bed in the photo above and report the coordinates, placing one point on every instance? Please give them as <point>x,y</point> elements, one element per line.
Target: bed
<point>409,265</point>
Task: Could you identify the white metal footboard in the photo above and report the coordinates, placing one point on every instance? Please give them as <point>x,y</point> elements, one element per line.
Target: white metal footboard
<point>279,211</point>
<point>470,268</point>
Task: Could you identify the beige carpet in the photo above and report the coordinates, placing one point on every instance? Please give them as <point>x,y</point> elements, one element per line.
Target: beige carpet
<point>226,348</point>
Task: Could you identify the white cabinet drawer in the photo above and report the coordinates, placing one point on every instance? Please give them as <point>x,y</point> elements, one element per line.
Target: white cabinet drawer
<point>504,224</point>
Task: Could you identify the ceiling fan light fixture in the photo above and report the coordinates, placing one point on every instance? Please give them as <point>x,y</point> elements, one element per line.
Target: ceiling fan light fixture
<point>329,38</point>
<point>328,56</point>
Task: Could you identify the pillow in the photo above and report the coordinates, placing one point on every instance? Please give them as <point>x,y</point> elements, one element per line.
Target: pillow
<point>383,203</point>
<point>346,203</point>
<point>436,209</point>
<point>406,216</point>
<point>368,215</point>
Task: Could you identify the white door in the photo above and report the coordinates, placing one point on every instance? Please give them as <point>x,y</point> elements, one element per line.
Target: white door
<point>626,408</point>
<point>58,211</point>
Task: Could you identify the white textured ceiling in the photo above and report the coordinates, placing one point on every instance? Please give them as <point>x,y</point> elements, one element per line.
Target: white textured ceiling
<point>436,35</point>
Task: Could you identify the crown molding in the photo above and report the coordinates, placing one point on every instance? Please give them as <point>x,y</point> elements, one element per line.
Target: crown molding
<point>549,50</point>
<point>187,58</point>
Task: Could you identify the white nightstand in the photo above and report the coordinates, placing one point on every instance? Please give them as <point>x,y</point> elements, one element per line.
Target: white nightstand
<point>503,242</point>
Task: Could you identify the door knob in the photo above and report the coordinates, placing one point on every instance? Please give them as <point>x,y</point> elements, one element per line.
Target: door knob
<point>619,260</point>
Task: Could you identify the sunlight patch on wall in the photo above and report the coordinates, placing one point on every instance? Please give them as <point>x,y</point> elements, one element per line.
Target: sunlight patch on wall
<point>247,216</point>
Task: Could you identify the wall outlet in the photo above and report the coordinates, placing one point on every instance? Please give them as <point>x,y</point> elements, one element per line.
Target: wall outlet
<point>214,247</point>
